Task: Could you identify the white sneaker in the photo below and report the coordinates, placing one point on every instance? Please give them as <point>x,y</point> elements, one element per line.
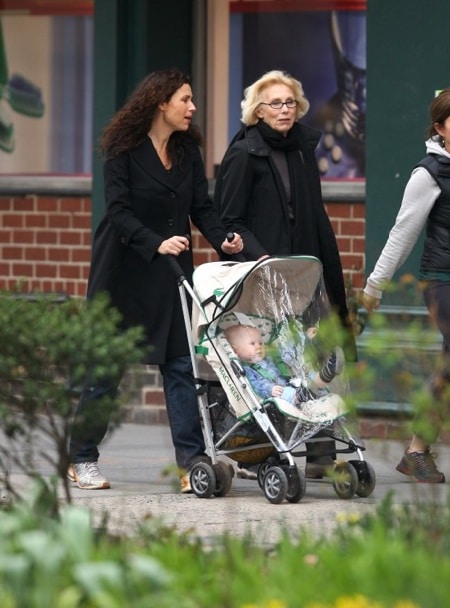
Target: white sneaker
<point>87,476</point>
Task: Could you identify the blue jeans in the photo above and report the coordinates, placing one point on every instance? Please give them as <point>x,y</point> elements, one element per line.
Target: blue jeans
<point>91,422</point>
<point>182,410</point>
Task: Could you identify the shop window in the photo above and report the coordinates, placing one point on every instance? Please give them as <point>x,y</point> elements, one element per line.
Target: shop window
<point>46,87</point>
<point>320,42</point>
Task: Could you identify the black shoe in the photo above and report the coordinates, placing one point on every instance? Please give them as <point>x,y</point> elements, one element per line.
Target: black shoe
<point>333,366</point>
<point>421,466</point>
<point>303,394</point>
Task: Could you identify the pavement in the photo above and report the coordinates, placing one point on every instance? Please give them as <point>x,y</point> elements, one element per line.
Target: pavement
<point>136,456</point>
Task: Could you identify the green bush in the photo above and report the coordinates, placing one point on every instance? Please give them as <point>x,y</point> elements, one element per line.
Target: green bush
<point>49,351</point>
<point>397,558</point>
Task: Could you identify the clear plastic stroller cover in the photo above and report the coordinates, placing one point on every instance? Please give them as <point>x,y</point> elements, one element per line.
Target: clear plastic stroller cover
<point>284,302</point>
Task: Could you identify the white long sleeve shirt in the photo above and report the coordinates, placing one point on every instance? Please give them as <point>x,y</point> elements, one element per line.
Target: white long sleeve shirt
<point>419,196</point>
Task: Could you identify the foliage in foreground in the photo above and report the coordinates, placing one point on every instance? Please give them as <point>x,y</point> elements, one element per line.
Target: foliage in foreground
<point>50,350</point>
<point>398,558</point>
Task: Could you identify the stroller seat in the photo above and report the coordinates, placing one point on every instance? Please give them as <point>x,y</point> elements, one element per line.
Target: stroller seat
<point>322,410</point>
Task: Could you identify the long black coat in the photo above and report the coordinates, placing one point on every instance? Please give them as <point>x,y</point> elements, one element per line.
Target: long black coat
<point>145,205</point>
<point>251,200</point>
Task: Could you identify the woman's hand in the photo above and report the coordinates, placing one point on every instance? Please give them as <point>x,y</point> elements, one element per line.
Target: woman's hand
<point>234,246</point>
<point>369,302</point>
<point>174,246</point>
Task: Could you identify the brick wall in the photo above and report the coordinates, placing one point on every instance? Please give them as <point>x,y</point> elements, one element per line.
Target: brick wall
<point>45,246</point>
<point>349,223</point>
<point>45,243</point>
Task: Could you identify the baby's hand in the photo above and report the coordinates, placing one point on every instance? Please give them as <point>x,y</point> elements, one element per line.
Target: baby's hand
<point>277,390</point>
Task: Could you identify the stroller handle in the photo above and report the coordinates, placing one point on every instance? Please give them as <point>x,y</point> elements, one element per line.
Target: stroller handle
<point>176,268</point>
<point>174,264</point>
<point>179,272</point>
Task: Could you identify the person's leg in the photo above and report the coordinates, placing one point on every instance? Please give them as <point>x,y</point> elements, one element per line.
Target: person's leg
<point>320,457</point>
<point>246,471</point>
<point>417,459</point>
<point>89,427</point>
<point>182,411</point>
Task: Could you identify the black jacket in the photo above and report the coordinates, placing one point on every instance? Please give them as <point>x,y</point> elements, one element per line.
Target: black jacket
<point>252,201</point>
<point>144,206</point>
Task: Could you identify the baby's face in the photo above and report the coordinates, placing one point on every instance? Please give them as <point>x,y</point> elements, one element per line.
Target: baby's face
<point>249,345</point>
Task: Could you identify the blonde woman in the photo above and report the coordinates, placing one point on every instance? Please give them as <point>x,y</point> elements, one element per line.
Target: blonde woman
<point>268,190</point>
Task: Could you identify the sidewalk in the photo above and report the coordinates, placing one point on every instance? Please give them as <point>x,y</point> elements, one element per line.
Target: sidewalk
<point>135,456</point>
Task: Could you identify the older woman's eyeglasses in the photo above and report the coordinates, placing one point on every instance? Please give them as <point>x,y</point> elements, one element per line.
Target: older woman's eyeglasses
<point>277,105</point>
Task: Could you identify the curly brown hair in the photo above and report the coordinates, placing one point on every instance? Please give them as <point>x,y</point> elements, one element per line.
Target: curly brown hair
<point>131,123</point>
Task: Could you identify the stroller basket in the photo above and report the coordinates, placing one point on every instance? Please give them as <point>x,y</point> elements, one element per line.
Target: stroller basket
<point>230,433</point>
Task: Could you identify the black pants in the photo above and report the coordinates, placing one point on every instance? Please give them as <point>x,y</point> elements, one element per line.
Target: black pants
<point>91,422</point>
<point>317,451</point>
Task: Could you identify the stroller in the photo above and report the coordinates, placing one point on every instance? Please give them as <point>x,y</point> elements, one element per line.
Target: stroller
<point>279,296</point>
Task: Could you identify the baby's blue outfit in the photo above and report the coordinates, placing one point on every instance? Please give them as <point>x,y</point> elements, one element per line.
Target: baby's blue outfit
<point>263,375</point>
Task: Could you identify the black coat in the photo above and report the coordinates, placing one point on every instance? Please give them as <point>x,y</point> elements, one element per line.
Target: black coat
<point>145,205</point>
<point>251,200</point>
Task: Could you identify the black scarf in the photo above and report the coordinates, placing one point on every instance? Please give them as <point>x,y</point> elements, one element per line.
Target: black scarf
<point>305,238</point>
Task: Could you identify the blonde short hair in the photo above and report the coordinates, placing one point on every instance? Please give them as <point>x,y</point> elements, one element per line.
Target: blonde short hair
<point>235,333</point>
<point>253,95</point>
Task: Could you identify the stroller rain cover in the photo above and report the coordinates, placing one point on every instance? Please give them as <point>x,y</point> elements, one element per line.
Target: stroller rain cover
<point>282,298</point>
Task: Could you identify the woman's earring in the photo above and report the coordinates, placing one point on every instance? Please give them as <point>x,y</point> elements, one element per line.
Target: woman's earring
<point>443,143</point>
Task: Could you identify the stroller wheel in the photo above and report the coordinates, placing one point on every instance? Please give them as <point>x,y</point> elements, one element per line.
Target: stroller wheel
<point>203,480</point>
<point>262,470</point>
<point>366,477</point>
<point>264,467</point>
<point>275,485</point>
<point>296,484</point>
<point>224,475</point>
<point>345,480</point>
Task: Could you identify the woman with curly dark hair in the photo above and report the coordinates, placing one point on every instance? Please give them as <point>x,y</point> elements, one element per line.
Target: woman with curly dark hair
<point>155,185</point>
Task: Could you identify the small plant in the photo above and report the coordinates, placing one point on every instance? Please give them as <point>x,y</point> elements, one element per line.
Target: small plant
<point>397,558</point>
<point>49,352</point>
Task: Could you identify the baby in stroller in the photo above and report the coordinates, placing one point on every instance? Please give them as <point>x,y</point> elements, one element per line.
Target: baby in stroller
<point>270,376</point>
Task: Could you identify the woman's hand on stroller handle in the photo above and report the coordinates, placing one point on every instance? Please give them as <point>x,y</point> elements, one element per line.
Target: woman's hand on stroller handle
<point>174,245</point>
<point>171,248</point>
<point>232,244</point>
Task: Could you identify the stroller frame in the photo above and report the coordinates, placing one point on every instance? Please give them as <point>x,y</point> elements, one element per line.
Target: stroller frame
<point>278,474</point>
